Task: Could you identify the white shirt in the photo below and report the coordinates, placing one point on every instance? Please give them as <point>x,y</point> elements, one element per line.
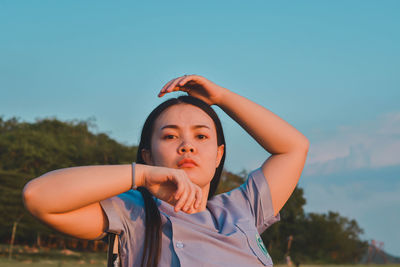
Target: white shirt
<point>225,234</point>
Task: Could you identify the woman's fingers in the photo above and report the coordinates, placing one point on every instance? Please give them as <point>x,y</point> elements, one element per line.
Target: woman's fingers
<point>188,194</point>
<point>175,85</point>
<point>185,195</point>
<point>196,86</point>
<point>190,200</point>
<point>180,179</point>
<point>168,84</point>
<point>188,78</point>
<point>184,80</point>
<point>181,201</point>
<point>186,200</point>
<point>165,87</point>
<point>182,191</point>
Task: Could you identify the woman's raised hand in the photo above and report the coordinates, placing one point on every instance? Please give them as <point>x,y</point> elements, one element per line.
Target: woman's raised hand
<point>170,185</point>
<point>196,86</point>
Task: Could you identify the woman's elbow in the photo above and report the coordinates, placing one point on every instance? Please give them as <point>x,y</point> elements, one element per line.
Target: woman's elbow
<point>306,145</point>
<point>31,198</point>
<point>303,146</point>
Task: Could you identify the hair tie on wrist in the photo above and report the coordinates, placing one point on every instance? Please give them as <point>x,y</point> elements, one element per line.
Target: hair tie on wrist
<point>134,187</point>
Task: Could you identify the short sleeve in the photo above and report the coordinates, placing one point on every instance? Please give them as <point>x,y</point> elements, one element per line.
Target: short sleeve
<point>124,212</point>
<point>257,192</point>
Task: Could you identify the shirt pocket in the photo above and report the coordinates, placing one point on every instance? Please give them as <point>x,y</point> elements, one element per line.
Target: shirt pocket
<point>255,242</point>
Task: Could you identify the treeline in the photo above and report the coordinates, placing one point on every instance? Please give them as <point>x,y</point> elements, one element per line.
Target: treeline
<point>312,237</point>
<point>28,150</point>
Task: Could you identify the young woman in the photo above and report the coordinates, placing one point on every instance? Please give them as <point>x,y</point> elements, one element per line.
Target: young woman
<point>173,219</point>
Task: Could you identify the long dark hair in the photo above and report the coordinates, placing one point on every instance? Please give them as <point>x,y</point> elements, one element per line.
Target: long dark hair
<point>152,242</point>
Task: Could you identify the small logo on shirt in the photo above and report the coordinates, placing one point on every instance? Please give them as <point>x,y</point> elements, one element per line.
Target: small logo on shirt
<point>260,244</point>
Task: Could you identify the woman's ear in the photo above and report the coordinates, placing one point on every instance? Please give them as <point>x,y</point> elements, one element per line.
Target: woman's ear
<point>220,153</point>
<point>146,155</point>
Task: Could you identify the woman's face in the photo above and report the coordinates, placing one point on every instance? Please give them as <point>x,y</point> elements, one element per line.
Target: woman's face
<point>184,137</point>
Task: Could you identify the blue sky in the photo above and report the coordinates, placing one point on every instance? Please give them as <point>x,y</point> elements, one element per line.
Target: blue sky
<point>329,68</point>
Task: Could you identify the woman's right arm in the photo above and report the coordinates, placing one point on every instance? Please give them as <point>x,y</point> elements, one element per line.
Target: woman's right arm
<point>68,200</point>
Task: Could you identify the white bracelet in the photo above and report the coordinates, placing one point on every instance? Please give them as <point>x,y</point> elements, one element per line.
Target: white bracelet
<point>134,187</point>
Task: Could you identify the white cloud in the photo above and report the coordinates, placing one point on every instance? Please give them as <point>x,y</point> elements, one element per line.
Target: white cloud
<point>370,144</point>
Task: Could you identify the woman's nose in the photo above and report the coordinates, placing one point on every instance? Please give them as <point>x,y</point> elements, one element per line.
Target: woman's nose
<point>186,147</point>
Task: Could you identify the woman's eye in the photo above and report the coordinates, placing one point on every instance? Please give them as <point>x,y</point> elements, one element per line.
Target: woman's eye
<point>201,136</point>
<point>169,136</point>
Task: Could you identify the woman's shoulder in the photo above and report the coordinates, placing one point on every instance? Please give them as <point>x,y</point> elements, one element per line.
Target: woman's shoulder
<point>124,210</point>
<point>133,196</point>
<point>250,198</point>
<point>239,192</point>
<point>127,202</point>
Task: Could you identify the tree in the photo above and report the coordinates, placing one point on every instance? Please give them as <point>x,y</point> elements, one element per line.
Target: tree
<point>317,238</point>
<point>28,150</point>
<point>292,214</point>
<point>332,238</point>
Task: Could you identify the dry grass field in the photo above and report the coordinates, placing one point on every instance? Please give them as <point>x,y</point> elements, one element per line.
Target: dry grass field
<point>4,262</point>
<point>34,257</point>
<point>81,263</point>
<point>51,263</point>
<point>23,257</point>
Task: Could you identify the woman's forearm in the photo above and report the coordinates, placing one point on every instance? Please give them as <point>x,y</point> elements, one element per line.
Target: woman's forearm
<point>69,189</point>
<point>273,133</point>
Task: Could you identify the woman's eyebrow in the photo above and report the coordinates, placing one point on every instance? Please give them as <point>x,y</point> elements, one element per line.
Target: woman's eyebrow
<point>172,126</point>
<point>201,126</point>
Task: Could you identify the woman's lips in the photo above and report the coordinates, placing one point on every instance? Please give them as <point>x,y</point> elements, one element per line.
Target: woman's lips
<point>187,163</point>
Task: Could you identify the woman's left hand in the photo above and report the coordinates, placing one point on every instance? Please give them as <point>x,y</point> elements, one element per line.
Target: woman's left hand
<point>196,86</point>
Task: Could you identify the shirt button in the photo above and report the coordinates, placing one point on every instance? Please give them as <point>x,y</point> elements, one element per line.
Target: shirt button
<point>179,244</point>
